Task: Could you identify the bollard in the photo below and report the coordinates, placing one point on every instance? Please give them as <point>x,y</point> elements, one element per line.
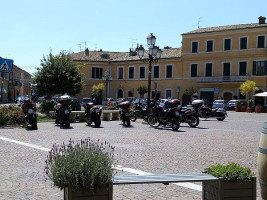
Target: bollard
<point>262,161</point>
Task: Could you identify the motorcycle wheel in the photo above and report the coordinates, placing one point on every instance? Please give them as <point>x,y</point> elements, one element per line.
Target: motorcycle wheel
<point>128,121</point>
<point>153,121</point>
<point>67,123</point>
<point>34,124</point>
<point>133,116</point>
<point>175,124</point>
<point>193,121</point>
<point>97,122</point>
<point>89,122</point>
<point>221,117</point>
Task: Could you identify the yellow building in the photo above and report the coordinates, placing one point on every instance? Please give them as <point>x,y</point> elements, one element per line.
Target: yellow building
<point>214,61</point>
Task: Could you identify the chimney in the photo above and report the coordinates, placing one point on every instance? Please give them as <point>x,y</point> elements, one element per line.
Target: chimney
<point>261,20</point>
<point>100,50</point>
<point>86,52</point>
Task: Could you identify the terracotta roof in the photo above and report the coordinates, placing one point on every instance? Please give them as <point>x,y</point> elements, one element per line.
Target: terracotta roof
<point>104,56</point>
<point>226,28</point>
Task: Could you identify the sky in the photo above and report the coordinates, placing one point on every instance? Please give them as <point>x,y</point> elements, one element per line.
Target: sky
<point>31,29</point>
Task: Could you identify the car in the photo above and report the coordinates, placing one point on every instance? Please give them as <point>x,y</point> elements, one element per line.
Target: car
<point>231,104</point>
<point>109,101</point>
<point>163,102</point>
<point>219,104</point>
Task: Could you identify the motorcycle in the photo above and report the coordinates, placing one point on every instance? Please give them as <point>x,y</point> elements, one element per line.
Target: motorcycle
<point>92,114</point>
<point>139,112</point>
<point>29,110</point>
<point>63,110</point>
<point>125,112</point>
<point>167,117</point>
<point>188,115</point>
<point>206,112</point>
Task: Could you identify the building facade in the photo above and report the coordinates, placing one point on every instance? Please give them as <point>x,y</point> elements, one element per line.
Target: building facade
<point>214,61</point>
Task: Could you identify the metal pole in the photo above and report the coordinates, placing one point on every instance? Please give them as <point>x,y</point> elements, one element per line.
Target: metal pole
<point>149,81</point>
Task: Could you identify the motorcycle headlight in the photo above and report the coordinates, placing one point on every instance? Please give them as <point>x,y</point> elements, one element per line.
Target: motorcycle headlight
<point>66,111</point>
<point>30,111</point>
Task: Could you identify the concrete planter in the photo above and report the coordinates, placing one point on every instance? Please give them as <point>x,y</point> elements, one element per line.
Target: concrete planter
<point>238,190</point>
<point>105,193</point>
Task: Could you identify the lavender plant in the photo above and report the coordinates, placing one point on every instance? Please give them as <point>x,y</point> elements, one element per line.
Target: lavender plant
<point>81,164</point>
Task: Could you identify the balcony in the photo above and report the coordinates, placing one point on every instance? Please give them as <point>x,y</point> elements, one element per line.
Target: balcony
<point>219,79</point>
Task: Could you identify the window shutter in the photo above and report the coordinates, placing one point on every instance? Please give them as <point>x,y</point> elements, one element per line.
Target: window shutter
<point>265,67</point>
<point>254,68</point>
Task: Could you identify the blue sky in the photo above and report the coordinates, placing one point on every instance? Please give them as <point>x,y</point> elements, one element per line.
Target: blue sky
<point>30,29</point>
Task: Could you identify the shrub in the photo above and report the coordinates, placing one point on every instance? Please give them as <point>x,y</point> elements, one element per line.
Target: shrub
<point>11,115</point>
<point>46,106</point>
<point>85,164</point>
<point>230,172</point>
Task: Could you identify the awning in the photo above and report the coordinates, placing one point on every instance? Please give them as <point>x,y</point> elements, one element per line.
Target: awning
<point>262,94</point>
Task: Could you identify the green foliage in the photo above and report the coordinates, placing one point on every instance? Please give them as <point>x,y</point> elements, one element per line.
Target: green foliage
<point>230,172</point>
<point>248,87</point>
<point>11,115</point>
<point>44,118</point>
<point>250,103</point>
<point>142,90</point>
<point>110,107</point>
<point>46,106</point>
<point>237,103</point>
<point>96,89</point>
<point>85,164</point>
<point>190,91</point>
<point>58,75</point>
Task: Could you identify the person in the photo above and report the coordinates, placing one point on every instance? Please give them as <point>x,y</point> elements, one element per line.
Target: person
<point>27,104</point>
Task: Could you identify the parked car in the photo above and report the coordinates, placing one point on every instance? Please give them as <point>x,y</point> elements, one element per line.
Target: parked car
<point>219,104</point>
<point>231,104</point>
<point>109,101</point>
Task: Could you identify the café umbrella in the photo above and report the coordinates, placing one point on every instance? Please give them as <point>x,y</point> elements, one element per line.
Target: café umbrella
<point>262,94</point>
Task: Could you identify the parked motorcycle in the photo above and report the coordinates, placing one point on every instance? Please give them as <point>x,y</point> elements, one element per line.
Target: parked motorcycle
<point>92,114</point>
<point>138,112</point>
<point>167,117</point>
<point>63,110</point>
<point>125,112</point>
<point>206,112</point>
<point>29,109</point>
<point>188,115</point>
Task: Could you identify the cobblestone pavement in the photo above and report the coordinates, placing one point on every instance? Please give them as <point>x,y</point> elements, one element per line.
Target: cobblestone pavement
<point>139,147</point>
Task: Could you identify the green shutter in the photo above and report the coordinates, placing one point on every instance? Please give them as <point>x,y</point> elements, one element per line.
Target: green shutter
<point>254,68</point>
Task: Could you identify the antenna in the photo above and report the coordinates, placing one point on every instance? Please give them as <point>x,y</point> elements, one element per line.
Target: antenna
<point>95,46</point>
<point>80,45</point>
<point>198,22</point>
<point>133,41</point>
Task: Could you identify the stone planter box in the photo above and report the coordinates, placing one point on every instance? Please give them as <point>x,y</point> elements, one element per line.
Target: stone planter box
<point>110,114</point>
<point>105,193</point>
<point>229,190</point>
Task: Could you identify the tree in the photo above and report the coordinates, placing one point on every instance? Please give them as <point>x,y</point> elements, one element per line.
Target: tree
<point>248,88</point>
<point>58,75</point>
<point>97,89</point>
<point>142,90</point>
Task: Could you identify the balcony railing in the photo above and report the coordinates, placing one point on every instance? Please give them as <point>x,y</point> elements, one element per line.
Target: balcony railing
<point>217,79</point>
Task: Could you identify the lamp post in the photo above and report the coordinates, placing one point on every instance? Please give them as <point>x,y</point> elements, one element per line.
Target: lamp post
<point>154,54</point>
<point>107,77</point>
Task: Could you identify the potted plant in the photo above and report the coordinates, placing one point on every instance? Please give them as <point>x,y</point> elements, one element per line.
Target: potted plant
<point>84,169</point>
<point>250,105</point>
<point>237,106</point>
<point>235,182</point>
<point>257,109</point>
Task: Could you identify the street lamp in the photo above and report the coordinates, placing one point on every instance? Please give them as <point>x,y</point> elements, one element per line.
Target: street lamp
<point>107,77</point>
<point>154,54</point>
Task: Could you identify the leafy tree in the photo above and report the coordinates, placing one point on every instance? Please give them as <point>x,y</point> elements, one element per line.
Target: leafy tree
<point>248,88</point>
<point>58,75</point>
<point>142,90</point>
<point>97,89</point>
<point>190,91</point>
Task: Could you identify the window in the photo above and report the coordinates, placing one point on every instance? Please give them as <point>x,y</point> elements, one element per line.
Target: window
<point>226,70</point>
<point>142,72</point>
<point>209,45</point>
<point>97,72</point>
<point>131,72</point>
<point>193,70</point>
<point>243,42</point>
<point>168,93</point>
<point>259,68</point>
<point>156,72</point>
<point>169,71</point>
<point>227,44</point>
<point>261,41</point>
<point>242,68</point>
<point>208,69</point>
<point>194,47</point>
<point>120,73</point>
